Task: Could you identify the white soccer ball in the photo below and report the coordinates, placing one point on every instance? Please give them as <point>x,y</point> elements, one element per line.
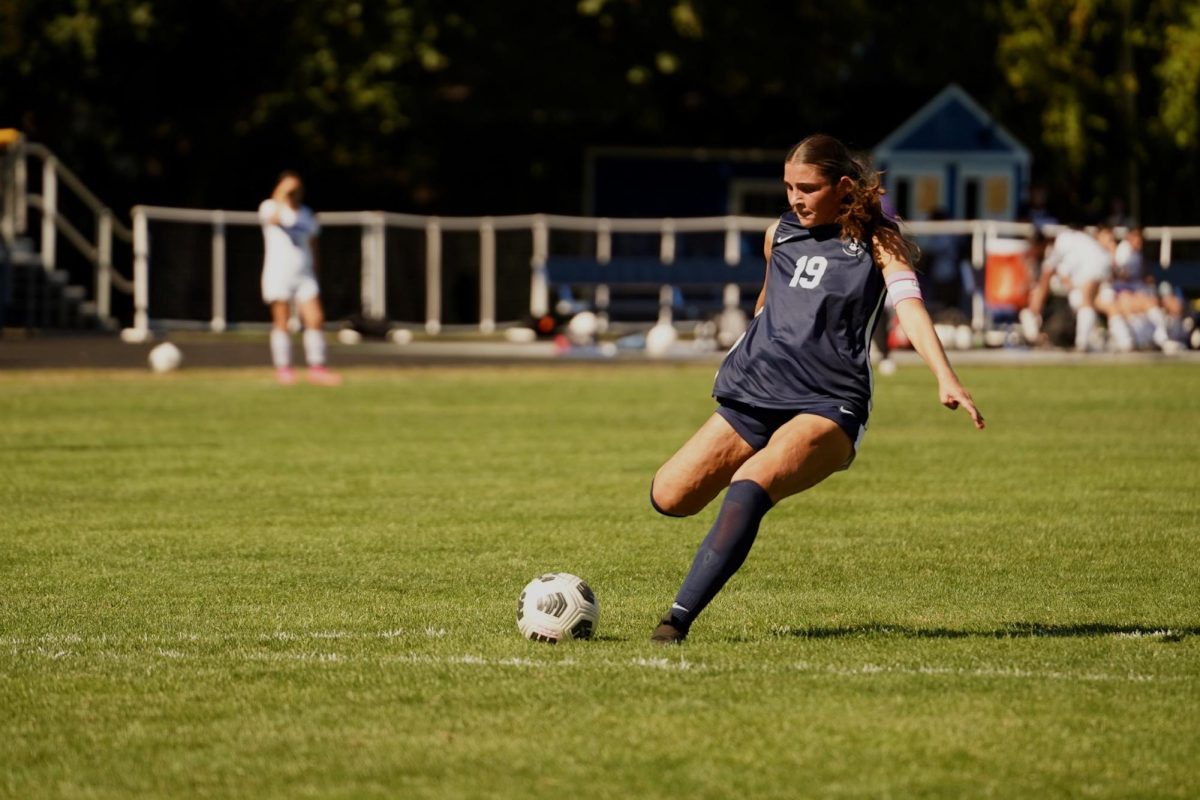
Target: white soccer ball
<point>557,606</point>
<point>583,327</point>
<point>660,338</point>
<point>165,357</point>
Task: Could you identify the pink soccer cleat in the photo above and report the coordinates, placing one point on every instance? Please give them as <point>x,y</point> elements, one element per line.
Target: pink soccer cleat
<point>285,376</point>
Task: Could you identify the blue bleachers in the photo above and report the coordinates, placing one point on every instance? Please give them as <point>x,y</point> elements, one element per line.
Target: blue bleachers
<point>634,283</point>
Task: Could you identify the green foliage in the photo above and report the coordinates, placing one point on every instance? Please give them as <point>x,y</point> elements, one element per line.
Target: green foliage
<point>1180,75</point>
<point>215,586</point>
<point>377,102</point>
<point>1107,88</point>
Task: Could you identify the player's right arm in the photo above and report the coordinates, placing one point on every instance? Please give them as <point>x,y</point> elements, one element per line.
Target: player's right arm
<point>762,295</point>
<point>277,209</point>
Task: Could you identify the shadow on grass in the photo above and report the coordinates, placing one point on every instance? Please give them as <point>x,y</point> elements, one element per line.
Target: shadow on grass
<point>1015,630</point>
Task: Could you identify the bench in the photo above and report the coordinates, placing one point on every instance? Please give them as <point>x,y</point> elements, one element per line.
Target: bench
<point>645,289</point>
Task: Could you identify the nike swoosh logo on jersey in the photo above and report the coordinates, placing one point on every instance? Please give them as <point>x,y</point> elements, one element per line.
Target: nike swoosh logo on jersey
<point>782,239</point>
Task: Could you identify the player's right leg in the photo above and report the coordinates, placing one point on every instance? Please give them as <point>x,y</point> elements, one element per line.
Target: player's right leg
<point>799,455</point>
<point>313,317</point>
<point>688,481</point>
<point>281,342</point>
<point>700,470</point>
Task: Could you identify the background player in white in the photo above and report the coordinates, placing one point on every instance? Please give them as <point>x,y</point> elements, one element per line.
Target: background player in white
<point>289,276</point>
<point>1153,313</point>
<point>794,394</point>
<point>1076,264</point>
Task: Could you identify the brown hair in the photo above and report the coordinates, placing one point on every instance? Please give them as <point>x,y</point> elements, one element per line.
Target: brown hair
<point>861,216</point>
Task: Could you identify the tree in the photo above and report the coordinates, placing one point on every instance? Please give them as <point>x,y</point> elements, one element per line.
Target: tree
<point>1112,100</point>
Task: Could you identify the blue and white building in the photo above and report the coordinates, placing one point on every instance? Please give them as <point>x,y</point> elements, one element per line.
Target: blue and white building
<point>952,155</point>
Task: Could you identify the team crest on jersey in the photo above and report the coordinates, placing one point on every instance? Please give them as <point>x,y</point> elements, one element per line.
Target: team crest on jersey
<point>853,248</point>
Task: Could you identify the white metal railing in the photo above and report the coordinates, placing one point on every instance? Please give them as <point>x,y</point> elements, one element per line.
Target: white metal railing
<point>98,250</point>
<point>374,226</point>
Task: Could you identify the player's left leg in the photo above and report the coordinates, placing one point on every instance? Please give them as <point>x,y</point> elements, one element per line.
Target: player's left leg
<point>312,316</point>
<point>800,454</point>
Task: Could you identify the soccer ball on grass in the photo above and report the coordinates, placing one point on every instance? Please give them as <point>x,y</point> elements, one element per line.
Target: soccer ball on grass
<point>557,606</point>
<point>165,357</point>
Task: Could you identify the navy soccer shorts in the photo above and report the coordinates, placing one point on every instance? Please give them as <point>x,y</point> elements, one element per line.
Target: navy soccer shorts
<point>757,425</point>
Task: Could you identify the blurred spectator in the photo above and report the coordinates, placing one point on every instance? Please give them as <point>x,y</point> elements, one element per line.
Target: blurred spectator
<point>1143,314</point>
<point>1096,275</point>
<point>1075,266</point>
<point>1127,260</point>
<point>289,277</point>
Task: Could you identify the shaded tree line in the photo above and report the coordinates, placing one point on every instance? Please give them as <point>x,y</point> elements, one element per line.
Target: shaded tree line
<point>458,107</point>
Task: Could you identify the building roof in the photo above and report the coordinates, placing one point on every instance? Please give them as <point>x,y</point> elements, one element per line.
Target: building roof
<point>952,122</point>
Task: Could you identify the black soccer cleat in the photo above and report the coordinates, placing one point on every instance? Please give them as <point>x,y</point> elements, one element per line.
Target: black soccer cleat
<point>669,631</point>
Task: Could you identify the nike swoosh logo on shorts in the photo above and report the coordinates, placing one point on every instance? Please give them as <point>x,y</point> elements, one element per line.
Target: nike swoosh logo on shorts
<point>844,410</point>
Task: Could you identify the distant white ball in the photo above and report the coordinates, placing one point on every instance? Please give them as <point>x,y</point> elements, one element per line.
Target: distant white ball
<point>608,349</point>
<point>963,336</point>
<point>660,338</point>
<point>887,367</point>
<point>583,327</point>
<point>557,606</point>
<point>401,336</point>
<point>165,357</point>
<point>349,336</point>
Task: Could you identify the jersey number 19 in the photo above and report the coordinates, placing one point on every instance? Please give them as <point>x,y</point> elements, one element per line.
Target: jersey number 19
<point>808,272</point>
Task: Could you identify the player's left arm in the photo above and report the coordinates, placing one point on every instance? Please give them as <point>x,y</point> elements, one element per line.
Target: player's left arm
<point>914,319</point>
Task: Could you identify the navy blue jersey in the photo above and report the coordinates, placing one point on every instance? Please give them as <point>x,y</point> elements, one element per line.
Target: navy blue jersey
<point>810,345</point>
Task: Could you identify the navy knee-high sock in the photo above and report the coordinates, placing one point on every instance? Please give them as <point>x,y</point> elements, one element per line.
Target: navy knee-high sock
<point>724,549</point>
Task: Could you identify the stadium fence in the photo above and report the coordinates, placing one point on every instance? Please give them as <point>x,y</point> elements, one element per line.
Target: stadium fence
<point>199,268</point>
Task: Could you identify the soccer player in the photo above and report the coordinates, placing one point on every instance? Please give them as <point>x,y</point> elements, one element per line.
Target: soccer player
<point>289,276</point>
<point>1079,264</point>
<point>794,393</point>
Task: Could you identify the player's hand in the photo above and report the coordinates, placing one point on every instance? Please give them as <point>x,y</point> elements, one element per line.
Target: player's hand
<point>954,395</point>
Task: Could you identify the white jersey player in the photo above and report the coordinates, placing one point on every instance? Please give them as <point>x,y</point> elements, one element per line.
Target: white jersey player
<point>1076,265</point>
<point>289,276</point>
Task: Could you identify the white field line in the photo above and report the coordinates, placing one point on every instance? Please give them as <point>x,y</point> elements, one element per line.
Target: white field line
<point>249,647</point>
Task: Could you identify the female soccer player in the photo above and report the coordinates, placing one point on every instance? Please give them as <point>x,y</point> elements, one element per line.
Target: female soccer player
<point>794,393</point>
<point>288,276</point>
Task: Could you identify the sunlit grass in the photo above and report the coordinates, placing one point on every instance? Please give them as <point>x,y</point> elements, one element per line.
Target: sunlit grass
<point>215,586</point>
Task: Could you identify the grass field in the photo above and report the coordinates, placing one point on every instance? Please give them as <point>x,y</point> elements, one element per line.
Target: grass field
<point>212,586</point>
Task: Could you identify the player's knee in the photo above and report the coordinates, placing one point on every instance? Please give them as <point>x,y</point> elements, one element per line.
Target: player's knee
<point>667,503</point>
<point>314,318</point>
